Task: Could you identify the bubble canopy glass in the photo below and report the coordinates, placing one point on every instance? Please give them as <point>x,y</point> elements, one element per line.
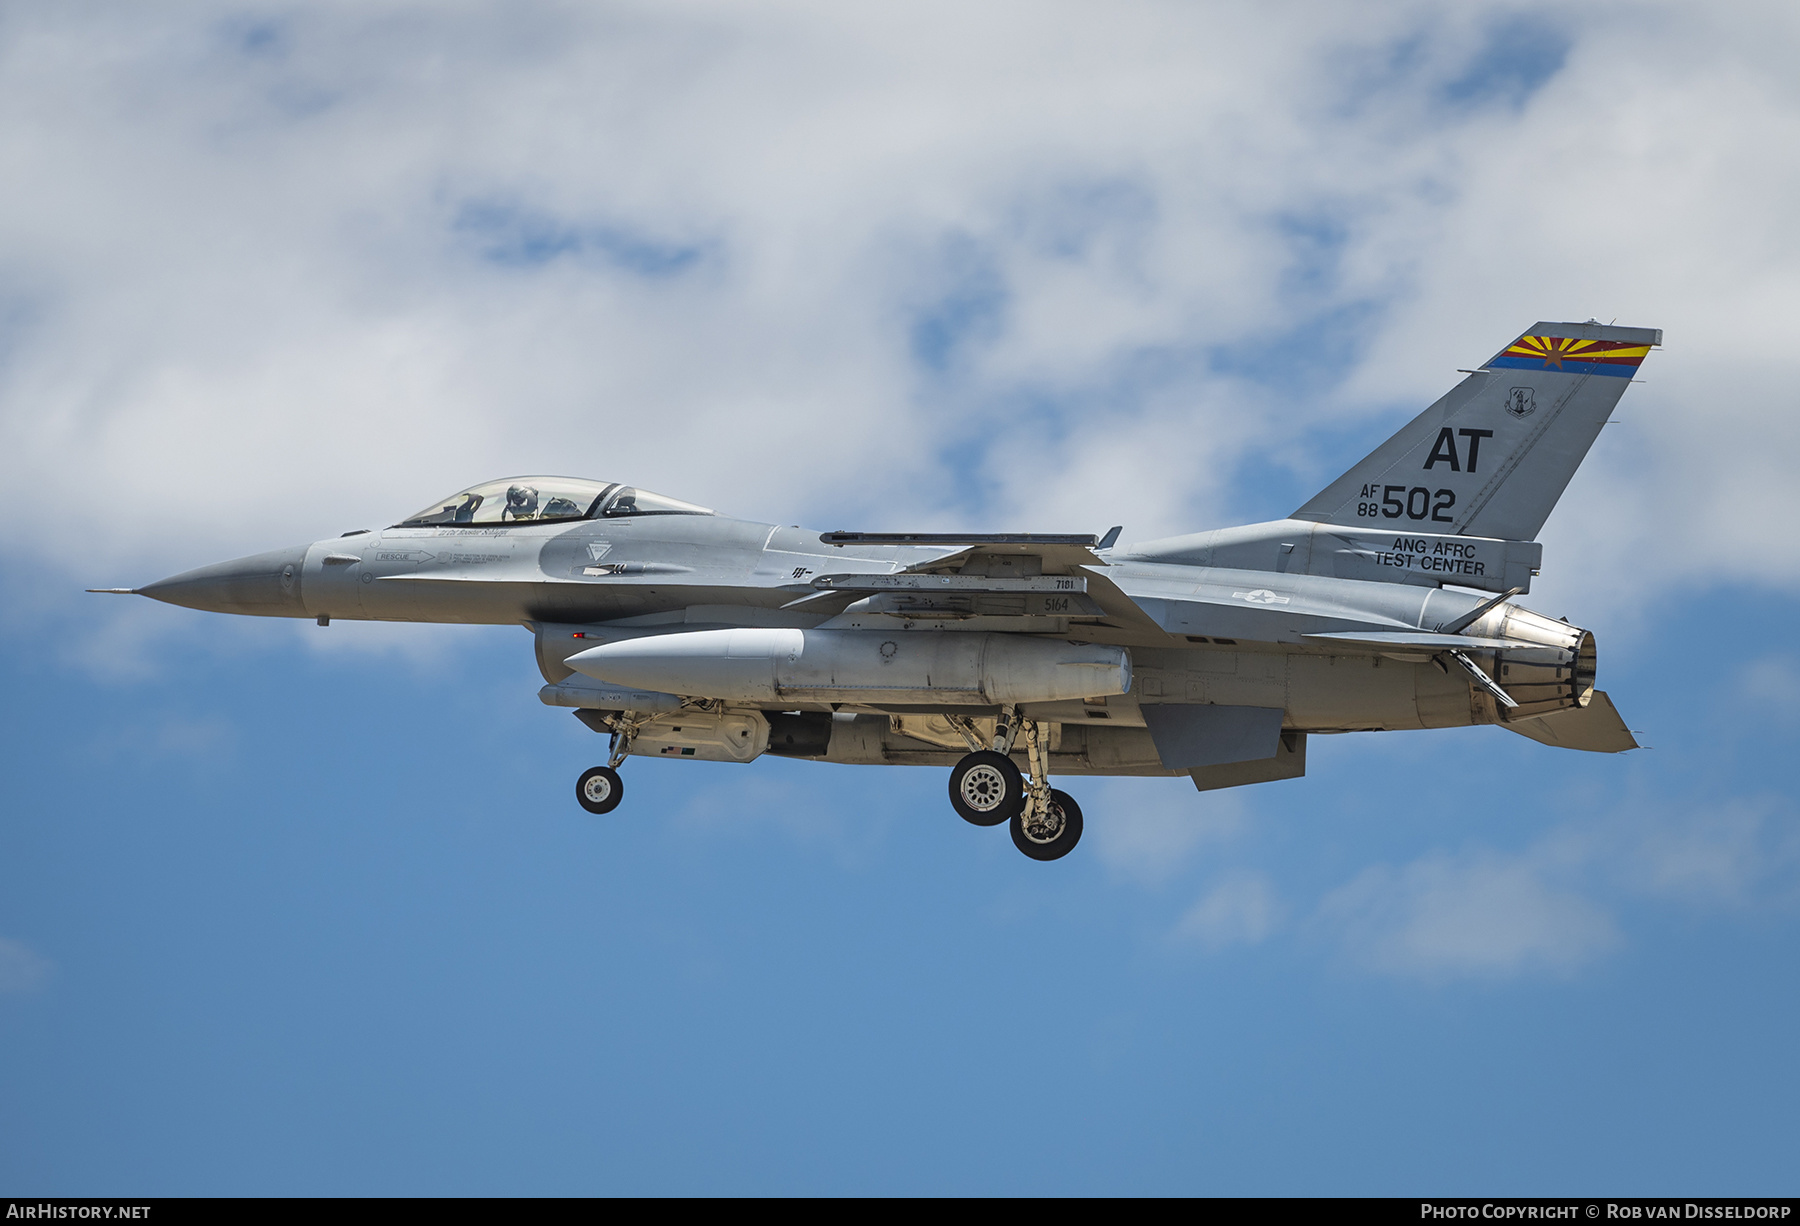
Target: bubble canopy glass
<point>536,500</point>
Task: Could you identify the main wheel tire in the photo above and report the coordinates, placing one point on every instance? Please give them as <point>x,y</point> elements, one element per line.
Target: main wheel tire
<point>600,789</point>
<point>1053,834</point>
<point>986,788</point>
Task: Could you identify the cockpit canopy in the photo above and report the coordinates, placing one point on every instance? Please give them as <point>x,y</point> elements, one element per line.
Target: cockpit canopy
<point>536,500</point>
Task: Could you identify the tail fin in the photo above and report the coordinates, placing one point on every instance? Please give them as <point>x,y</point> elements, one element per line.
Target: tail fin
<point>1493,455</point>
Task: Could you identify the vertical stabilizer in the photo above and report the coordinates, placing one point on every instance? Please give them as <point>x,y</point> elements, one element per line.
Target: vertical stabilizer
<point>1494,454</point>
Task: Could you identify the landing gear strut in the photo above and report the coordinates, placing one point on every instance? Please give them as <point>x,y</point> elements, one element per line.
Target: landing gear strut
<point>987,788</point>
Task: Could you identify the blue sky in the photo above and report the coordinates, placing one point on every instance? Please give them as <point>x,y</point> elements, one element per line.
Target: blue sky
<point>291,909</point>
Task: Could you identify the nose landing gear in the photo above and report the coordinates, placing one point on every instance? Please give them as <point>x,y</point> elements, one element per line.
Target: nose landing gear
<point>600,789</point>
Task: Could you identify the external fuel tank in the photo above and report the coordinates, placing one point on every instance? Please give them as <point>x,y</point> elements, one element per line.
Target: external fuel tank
<point>772,666</point>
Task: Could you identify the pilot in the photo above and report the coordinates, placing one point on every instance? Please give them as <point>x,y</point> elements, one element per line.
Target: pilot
<point>521,502</point>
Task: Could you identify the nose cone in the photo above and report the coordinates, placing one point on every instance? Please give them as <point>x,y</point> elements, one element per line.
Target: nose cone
<point>262,585</point>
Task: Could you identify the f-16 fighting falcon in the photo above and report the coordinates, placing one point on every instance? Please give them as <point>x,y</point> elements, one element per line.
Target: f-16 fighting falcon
<point>678,632</point>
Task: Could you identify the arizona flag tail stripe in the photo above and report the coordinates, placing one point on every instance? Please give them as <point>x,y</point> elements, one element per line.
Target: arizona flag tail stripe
<point>1572,356</point>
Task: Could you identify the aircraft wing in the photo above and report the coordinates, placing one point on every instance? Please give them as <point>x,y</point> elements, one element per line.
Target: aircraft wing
<point>1059,554</point>
<point>1067,569</point>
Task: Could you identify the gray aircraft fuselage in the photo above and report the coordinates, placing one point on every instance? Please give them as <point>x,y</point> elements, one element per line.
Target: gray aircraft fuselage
<point>1228,635</point>
<point>687,633</point>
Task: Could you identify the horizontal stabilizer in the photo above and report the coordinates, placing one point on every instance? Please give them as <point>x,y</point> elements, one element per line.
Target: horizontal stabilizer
<point>1596,728</point>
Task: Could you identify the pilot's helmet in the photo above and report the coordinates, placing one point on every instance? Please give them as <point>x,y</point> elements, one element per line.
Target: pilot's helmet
<point>521,500</point>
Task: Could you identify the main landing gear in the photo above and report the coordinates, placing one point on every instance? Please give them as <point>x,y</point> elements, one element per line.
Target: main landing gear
<point>987,788</point>
<point>1049,833</point>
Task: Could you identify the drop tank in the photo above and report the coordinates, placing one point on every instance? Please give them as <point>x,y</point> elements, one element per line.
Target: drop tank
<point>773,666</point>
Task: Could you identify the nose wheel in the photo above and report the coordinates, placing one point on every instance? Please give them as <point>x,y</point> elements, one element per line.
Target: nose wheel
<point>600,789</point>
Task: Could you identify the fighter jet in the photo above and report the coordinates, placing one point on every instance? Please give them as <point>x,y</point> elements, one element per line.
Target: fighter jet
<point>1384,603</point>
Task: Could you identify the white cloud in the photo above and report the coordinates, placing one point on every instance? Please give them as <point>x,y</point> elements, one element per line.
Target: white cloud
<point>1728,851</point>
<point>1638,185</point>
<point>277,271</point>
<point>735,805</point>
<point>1550,908</point>
<point>1771,684</point>
<point>1241,910</point>
<point>1481,914</point>
<point>21,969</point>
<point>1147,830</point>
